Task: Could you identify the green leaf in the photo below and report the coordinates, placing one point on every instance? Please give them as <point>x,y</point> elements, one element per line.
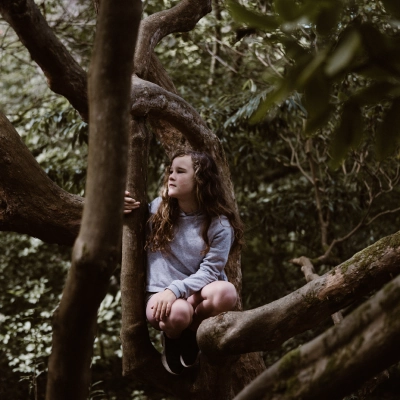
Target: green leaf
<point>328,18</point>
<point>278,95</point>
<point>388,135</point>
<point>393,7</point>
<point>316,121</point>
<point>316,96</point>
<point>349,133</point>
<point>376,93</point>
<point>344,54</point>
<point>288,10</point>
<point>250,18</point>
<point>310,69</point>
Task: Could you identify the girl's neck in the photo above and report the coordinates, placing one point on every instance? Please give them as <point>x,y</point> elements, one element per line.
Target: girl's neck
<point>188,206</point>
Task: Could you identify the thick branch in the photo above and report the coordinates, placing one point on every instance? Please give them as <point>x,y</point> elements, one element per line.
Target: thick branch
<point>309,273</point>
<point>63,73</point>
<point>149,99</point>
<point>30,203</point>
<point>340,360</point>
<point>267,327</point>
<point>97,247</point>
<point>181,18</point>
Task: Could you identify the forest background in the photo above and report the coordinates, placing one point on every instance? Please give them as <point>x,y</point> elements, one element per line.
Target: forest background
<point>291,199</point>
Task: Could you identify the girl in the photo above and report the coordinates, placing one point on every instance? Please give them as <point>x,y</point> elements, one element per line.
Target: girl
<point>193,228</point>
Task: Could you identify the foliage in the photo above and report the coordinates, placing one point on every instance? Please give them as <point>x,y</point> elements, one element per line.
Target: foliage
<point>322,45</point>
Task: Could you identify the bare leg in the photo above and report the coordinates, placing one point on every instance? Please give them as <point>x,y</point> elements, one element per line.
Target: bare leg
<point>180,317</point>
<point>213,299</point>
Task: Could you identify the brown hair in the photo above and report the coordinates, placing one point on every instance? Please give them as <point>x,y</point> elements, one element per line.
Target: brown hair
<point>211,198</point>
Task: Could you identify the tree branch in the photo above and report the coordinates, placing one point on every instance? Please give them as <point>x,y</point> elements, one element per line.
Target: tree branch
<point>181,18</point>
<point>267,327</point>
<point>360,347</point>
<point>64,75</point>
<point>309,273</point>
<point>31,203</point>
<point>149,99</point>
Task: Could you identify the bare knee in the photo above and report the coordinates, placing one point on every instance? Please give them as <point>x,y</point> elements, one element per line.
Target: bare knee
<point>179,318</point>
<point>225,297</point>
<point>218,297</point>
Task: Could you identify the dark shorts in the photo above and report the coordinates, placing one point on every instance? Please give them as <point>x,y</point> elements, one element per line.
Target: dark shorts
<point>148,296</point>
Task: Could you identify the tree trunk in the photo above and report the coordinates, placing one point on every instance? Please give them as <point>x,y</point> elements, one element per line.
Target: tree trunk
<point>96,250</point>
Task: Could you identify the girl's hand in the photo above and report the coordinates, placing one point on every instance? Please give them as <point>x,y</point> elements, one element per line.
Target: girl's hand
<point>162,306</point>
<point>129,203</point>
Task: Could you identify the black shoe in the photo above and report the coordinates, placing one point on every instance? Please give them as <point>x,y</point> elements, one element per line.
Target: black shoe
<point>171,354</point>
<point>190,350</point>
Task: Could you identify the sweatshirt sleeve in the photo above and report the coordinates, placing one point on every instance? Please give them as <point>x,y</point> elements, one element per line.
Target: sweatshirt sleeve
<point>221,237</point>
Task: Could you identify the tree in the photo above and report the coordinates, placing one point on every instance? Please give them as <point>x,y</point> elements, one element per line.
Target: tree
<point>175,122</point>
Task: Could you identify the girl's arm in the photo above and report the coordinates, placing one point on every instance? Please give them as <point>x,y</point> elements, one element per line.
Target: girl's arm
<point>221,238</point>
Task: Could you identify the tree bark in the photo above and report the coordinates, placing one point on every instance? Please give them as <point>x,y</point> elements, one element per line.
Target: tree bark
<point>30,203</point>
<point>96,250</point>
<point>337,362</point>
<point>267,327</point>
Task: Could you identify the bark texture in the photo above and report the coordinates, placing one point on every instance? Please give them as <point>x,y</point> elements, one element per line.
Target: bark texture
<point>96,250</point>
<point>340,360</point>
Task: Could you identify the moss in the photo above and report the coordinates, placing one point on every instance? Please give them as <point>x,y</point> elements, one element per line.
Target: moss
<point>311,298</point>
<point>289,362</point>
<point>364,257</point>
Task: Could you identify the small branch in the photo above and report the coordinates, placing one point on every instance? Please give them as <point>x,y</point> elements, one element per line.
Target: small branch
<point>216,57</point>
<point>382,213</point>
<point>323,223</point>
<point>309,273</point>
<point>294,157</point>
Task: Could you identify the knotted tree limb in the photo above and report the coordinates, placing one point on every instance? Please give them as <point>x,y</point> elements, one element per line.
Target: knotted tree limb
<point>338,361</point>
<point>97,248</point>
<point>267,327</point>
<point>64,75</point>
<point>30,202</point>
<point>309,273</point>
<point>149,99</point>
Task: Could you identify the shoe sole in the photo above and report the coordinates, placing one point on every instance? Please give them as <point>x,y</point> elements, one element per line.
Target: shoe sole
<point>191,365</point>
<point>164,358</point>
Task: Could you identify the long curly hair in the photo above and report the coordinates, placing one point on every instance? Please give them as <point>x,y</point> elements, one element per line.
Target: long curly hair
<point>211,197</point>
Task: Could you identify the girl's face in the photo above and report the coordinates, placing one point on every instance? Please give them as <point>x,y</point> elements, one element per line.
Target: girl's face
<point>181,182</point>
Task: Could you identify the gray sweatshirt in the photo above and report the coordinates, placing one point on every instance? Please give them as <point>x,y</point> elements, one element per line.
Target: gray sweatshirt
<point>183,268</point>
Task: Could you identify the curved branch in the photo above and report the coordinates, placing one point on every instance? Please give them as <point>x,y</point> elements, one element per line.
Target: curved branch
<point>149,99</point>
<point>181,18</point>
<point>63,73</point>
<point>267,327</point>
<point>363,345</point>
<point>30,203</point>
